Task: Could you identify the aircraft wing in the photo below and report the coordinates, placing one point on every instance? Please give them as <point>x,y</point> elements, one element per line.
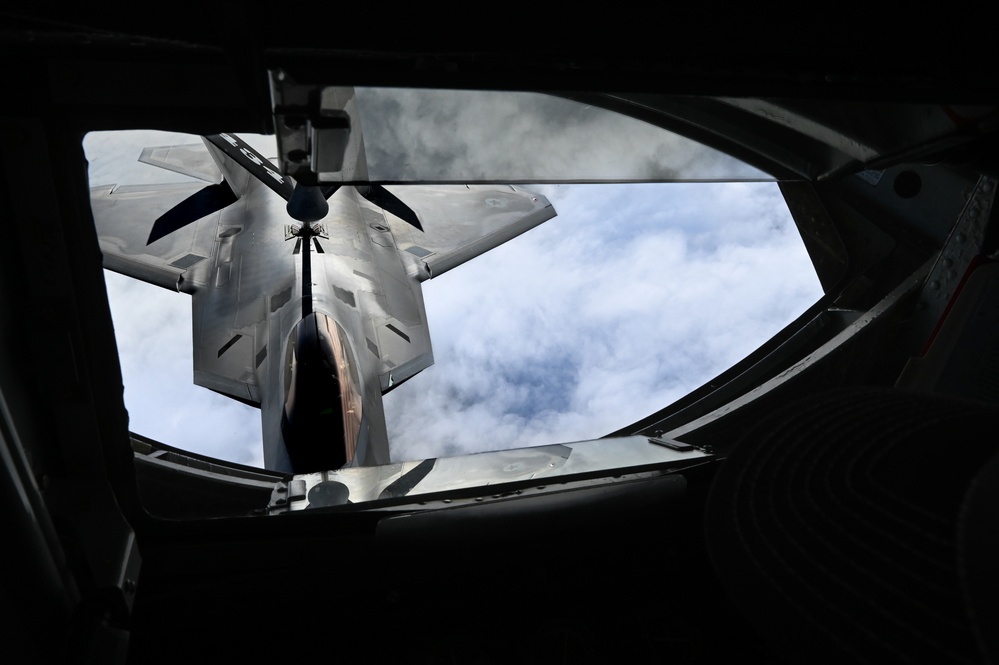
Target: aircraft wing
<point>124,217</point>
<point>195,238</point>
<point>462,221</point>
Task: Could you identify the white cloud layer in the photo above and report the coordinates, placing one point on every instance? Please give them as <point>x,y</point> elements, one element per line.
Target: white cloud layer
<point>629,299</point>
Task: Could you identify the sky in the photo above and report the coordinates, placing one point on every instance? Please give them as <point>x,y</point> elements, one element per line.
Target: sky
<point>634,295</point>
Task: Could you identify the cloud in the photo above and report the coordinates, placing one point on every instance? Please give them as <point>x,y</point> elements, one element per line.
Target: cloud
<point>630,298</point>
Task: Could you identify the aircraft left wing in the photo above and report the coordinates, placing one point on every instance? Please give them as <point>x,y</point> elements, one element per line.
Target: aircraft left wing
<point>194,238</point>
<point>124,217</point>
<point>461,222</point>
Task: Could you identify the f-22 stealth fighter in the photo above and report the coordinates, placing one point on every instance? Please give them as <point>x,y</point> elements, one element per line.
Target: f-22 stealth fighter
<point>306,299</point>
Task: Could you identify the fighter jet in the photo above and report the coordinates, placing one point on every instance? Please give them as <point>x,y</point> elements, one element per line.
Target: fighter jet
<point>306,299</point>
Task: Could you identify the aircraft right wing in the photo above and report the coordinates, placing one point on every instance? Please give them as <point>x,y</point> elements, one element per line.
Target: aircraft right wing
<point>461,222</point>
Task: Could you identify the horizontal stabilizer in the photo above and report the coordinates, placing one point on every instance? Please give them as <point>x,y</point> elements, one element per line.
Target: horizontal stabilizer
<point>191,160</point>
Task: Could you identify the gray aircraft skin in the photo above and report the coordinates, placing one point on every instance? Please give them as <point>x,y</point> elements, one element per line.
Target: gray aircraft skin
<point>306,306</point>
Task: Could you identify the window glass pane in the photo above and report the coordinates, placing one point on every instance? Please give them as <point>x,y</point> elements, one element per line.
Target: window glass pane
<point>468,136</point>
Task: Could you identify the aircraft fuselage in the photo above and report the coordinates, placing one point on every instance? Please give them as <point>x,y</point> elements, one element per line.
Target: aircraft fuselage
<point>321,394</point>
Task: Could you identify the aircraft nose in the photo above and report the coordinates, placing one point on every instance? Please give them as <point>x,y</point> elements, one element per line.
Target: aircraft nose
<point>321,422</point>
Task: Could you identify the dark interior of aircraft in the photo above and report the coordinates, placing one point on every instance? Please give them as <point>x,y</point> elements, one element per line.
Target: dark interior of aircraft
<point>844,507</point>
